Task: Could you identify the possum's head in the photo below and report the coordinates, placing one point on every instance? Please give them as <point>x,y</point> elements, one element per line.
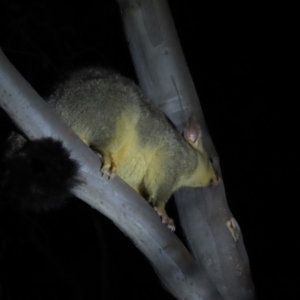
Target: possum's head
<point>205,174</point>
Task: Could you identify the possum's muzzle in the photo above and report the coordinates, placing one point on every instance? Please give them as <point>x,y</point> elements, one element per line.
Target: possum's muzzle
<point>214,182</point>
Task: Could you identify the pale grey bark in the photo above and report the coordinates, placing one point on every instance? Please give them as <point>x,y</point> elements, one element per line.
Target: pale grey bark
<point>114,198</point>
<point>212,232</point>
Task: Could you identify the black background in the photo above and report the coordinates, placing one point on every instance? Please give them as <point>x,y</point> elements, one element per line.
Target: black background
<point>235,55</point>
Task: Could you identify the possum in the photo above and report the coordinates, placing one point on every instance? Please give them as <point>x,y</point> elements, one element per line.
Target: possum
<point>136,141</point>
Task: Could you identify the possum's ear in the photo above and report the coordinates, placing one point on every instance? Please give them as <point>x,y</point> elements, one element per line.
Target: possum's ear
<point>193,134</point>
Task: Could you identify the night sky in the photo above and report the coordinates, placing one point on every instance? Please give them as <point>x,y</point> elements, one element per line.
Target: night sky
<point>235,55</point>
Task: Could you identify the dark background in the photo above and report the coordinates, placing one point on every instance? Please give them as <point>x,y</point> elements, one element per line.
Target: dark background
<point>235,55</point>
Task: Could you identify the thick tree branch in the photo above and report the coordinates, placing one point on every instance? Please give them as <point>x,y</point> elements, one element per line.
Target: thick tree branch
<point>213,234</point>
<point>115,199</point>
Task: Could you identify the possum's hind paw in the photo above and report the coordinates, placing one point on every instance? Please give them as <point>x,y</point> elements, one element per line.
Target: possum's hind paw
<point>108,167</point>
<point>109,170</point>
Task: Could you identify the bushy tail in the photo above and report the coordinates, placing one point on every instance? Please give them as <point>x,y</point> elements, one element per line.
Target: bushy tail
<point>39,177</point>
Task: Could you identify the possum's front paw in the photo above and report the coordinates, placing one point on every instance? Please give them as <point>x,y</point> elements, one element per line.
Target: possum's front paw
<point>169,222</point>
<point>165,218</point>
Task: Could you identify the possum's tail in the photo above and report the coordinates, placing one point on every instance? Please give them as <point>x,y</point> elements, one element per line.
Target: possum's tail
<point>38,177</point>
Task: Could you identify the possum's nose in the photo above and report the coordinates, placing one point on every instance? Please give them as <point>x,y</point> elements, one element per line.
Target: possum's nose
<point>214,182</point>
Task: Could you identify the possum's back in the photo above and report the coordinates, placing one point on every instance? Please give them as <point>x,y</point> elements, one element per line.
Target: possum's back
<point>93,100</point>
<point>92,95</point>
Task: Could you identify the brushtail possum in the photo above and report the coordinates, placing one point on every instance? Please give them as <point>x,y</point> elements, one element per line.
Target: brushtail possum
<point>136,141</point>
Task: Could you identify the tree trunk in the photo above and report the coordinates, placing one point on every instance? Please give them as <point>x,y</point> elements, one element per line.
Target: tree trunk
<point>212,233</point>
